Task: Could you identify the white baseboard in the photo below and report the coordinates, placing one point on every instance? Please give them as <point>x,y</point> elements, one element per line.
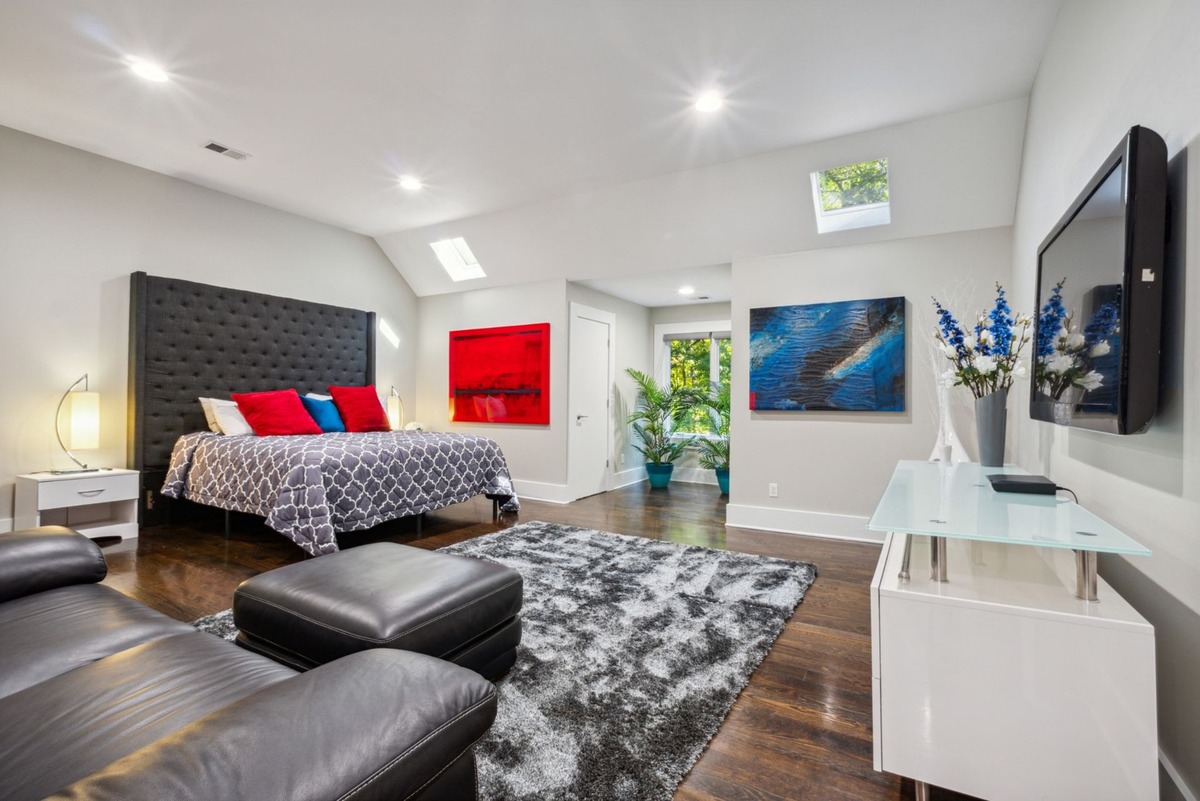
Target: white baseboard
<point>1180,784</point>
<point>623,478</point>
<point>6,525</point>
<point>799,521</point>
<point>540,491</point>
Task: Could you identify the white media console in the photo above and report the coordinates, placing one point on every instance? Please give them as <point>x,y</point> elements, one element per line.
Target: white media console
<point>990,676</point>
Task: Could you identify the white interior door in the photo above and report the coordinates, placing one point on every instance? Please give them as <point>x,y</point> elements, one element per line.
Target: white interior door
<point>589,441</point>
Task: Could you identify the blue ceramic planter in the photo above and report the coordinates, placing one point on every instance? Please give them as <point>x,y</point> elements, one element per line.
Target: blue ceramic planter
<point>722,479</point>
<point>659,474</point>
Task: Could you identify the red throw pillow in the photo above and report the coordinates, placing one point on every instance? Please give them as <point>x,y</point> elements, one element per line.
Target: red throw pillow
<point>276,413</point>
<point>360,408</point>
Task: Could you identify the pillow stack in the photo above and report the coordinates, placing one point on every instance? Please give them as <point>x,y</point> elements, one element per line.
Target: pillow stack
<point>285,413</point>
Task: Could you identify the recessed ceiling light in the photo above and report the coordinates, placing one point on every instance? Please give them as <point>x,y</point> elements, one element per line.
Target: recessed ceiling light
<point>146,69</point>
<point>709,101</point>
<point>687,290</point>
<point>410,183</point>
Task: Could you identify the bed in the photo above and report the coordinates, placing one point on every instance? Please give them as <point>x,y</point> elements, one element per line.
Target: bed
<point>191,340</point>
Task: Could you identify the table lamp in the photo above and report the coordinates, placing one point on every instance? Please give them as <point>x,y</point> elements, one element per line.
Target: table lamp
<point>83,423</point>
<point>395,409</point>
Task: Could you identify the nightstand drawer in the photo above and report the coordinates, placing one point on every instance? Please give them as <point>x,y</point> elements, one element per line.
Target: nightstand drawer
<point>97,488</point>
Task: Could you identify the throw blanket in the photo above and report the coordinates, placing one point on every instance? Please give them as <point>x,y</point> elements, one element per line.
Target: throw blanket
<point>310,487</point>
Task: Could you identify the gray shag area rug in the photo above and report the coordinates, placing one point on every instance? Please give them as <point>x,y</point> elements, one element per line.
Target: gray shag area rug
<point>633,652</point>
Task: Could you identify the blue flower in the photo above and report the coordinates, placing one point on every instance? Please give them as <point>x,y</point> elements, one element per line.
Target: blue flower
<point>1050,321</point>
<point>952,332</point>
<point>1001,327</point>
<point>1102,324</point>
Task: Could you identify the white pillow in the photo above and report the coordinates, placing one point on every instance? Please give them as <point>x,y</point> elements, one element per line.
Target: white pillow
<point>317,396</point>
<point>225,417</point>
<point>210,414</point>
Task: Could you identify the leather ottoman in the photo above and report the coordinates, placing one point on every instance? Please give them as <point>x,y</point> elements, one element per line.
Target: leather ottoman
<point>384,595</point>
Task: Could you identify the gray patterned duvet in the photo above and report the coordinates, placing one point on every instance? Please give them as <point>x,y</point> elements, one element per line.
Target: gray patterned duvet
<point>311,487</point>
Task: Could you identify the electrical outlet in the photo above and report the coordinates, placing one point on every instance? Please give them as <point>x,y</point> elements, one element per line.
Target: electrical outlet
<point>773,490</point>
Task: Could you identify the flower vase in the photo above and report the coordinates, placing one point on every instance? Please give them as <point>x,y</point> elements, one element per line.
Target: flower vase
<point>991,412</point>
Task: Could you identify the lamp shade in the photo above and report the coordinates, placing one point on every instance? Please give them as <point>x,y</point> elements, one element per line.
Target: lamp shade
<point>83,420</point>
<point>395,412</point>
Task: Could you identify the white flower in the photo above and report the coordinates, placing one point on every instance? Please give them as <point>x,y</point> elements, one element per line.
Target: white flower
<point>1100,349</point>
<point>947,348</point>
<point>969,341</point>
<point>985,336</point>
<point>1060,363</point>
<point>1075,341</point>
<point>949,378</point>
<point>985,365</point>
<point>1020,371</point>
<point>1090,381</point>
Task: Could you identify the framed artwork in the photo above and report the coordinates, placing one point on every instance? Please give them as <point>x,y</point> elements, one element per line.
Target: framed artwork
<point>844,356</point>
<point>500,375</point>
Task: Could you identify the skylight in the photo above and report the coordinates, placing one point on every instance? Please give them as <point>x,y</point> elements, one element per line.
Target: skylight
<point>457,259</point>
<point>853,196</point>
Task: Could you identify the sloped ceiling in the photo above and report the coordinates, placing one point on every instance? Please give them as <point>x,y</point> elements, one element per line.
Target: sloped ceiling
<point>492,104</point>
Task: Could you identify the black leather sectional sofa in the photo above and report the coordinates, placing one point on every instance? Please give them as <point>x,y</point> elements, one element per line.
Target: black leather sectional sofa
<point>104,698</point>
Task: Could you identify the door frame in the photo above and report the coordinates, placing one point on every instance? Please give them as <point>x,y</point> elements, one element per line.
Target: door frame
<point>578,310</point>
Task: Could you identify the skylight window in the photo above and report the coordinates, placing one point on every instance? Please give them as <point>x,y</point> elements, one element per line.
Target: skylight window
<point>853,196</point>
<point>457,259</point>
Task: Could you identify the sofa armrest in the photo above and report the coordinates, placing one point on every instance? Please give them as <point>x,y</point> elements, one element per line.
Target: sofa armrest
<point>378,724</point>
<point>38,559</point>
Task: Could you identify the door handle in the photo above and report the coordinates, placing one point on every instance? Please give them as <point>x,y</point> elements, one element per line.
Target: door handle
<point>579,417</point>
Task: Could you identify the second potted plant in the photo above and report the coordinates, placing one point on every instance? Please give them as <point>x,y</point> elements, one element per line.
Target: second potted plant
<point>714,453</point>
<point>654,420</point>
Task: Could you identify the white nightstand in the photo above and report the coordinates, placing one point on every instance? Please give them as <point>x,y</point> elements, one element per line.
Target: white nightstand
<point>98,504</point>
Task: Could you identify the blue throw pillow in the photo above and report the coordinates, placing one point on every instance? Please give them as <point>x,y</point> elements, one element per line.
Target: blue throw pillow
<point>325,413</point>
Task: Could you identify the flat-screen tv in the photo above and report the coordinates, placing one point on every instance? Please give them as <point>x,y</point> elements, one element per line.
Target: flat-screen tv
<point>1100,294</point>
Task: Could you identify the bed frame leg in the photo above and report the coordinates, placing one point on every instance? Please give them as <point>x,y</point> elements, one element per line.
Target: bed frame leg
<point>420,519</point>
<point>495,510</point>
<point>226,524</point>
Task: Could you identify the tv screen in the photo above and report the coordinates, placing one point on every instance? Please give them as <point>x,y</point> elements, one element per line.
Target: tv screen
<point>1100,271</point>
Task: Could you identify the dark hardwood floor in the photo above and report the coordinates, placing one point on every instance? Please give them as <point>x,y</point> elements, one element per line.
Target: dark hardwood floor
<point>800,730</point>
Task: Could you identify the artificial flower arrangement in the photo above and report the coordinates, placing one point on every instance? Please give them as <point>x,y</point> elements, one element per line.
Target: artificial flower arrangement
<point>1065,357</point>
<point>988,359</point>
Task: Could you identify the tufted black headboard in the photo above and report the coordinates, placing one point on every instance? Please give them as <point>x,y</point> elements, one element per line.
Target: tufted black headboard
<point>190,340</point>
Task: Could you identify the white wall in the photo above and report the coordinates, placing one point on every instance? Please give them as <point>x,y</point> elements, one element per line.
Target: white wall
<point>74,225</point>
<point>1110,65</point>
<point>831,467</point>
<point>955,172</point>
<point>536,454</point>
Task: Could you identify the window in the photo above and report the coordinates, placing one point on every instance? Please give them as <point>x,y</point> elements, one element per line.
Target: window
<point>698,361</point>
<point>853,196</point>
<point>457,259</point>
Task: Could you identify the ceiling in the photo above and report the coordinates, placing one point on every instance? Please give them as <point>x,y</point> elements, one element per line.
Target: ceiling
<point>491,104</point>
<point>709,284</point>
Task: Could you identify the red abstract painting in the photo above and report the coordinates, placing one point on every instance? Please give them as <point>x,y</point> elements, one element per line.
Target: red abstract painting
<point>500,375</point>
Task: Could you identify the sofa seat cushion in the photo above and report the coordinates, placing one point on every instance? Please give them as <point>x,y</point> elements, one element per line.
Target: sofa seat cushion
<point>117,705</point>
<point>56,631</point>
<point>382,595</point>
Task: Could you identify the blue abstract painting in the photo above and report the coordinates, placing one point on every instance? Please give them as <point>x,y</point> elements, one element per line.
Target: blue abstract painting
<point>846,356</point>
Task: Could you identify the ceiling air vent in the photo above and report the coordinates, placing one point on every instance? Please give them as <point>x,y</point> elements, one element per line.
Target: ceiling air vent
<point>236,155</point>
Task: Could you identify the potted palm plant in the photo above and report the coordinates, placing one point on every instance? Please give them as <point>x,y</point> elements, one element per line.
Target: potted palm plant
<point>654,420</point>
<point>714,452</point>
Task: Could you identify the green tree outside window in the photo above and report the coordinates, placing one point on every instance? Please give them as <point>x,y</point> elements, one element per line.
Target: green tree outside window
<point>854,185</point>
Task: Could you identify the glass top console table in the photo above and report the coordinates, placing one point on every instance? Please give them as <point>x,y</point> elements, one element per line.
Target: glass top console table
<point>955,500</point>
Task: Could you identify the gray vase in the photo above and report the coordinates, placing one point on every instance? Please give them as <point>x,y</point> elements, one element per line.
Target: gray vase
<point>990,419</point>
